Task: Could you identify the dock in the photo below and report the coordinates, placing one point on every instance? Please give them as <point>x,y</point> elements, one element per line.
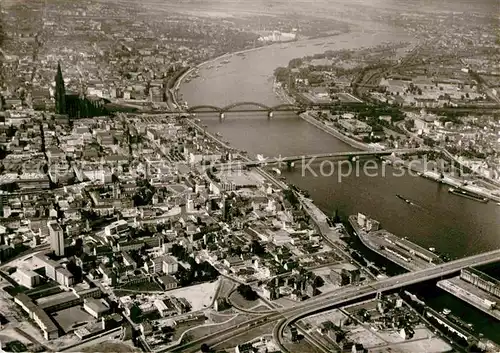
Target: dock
<point>472,295</point>
<point>402,252</point>
<point>457,183</point>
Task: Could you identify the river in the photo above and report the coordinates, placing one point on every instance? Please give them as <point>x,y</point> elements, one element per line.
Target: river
<point>449,223</point>
<point>436,218</point>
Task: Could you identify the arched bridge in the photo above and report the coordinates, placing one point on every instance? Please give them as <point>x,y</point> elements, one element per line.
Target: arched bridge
<point>245,107</point>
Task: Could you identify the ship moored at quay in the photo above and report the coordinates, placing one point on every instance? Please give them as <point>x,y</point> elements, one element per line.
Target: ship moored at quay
<point>402,252</point>
<point>468,194</point>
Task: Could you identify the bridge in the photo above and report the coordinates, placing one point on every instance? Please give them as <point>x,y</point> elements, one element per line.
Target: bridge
<point>249,107</point>
<point>252,107</point>
<point>353,293</point>
<point>246,107</point>
<point>347,154</point>
<point>335,298</point>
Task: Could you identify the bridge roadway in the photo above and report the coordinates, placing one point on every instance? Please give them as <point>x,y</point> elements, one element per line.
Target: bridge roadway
<point>321,156</point>
<point>337,297</point>
<point>255,107</point>
<point>358,292</point>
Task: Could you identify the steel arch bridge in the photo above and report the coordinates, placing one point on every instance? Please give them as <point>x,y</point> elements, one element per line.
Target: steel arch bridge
<point>244,107</point>
<point>236,105</point>
<point>204,108</point>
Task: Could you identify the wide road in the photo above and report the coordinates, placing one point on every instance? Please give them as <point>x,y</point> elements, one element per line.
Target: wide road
<point>358,292</point>
<point>339,297</point>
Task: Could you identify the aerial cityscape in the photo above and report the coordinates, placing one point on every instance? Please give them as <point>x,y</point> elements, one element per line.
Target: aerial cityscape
<point>230,176</point>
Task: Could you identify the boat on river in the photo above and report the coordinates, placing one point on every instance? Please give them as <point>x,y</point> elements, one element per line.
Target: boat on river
<point>402,198</point>
<point>468,194</point>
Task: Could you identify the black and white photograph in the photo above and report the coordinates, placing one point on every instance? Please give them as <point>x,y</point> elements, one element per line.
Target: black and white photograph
<point>250,176</point>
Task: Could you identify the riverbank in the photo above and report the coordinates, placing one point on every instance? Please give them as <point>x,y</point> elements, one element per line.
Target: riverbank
<point>200,65</point>
<point>413,167</point>
<point>248,50</point>
<point>335,133</point>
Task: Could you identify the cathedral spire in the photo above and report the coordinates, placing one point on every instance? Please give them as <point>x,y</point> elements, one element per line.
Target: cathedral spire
<point>60,94</point>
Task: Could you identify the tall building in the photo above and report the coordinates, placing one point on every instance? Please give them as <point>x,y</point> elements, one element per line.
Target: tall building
<point>60,94</point>
<point>56,238</point>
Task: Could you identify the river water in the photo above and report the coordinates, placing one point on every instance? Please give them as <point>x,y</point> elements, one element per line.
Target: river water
<point>435,218</point>
<point>449,223</point>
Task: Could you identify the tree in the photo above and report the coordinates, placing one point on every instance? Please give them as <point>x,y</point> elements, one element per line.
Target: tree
<point>247,292</point>
<point>205,348</point>
<point>318,282</point>
<point>256,248</point>
<point>294,63</point>
<point>291,197</point>
<point>135,313</point>
<point>282,74</point>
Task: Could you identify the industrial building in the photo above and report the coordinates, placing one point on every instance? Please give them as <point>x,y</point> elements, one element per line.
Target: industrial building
<point>481,280</point>
<point>59,301</point>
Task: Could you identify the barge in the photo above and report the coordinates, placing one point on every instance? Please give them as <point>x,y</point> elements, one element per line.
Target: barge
<point>468,194</point>
<point>402,198</point>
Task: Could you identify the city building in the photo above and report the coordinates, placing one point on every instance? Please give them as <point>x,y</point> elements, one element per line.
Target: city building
<point>64,277</point>
<point>170,265</point>
<point>56,238</point>
<point>41,318</point>
<point>49,265</point>
<point>167,282</point>
<point>28,278</point>
<point>117,229</point>
<point>355,126</point>
<point>96,307</point>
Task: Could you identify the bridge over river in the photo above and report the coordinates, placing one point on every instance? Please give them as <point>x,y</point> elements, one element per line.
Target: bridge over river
<point>335,298</point>
<point>347,154</point>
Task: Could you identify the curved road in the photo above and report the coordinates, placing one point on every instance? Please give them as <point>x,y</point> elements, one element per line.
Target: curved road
<point>342,296</point>
<point>338,297</point>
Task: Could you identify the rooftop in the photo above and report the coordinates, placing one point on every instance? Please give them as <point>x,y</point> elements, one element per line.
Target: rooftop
<point>97,305</point>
